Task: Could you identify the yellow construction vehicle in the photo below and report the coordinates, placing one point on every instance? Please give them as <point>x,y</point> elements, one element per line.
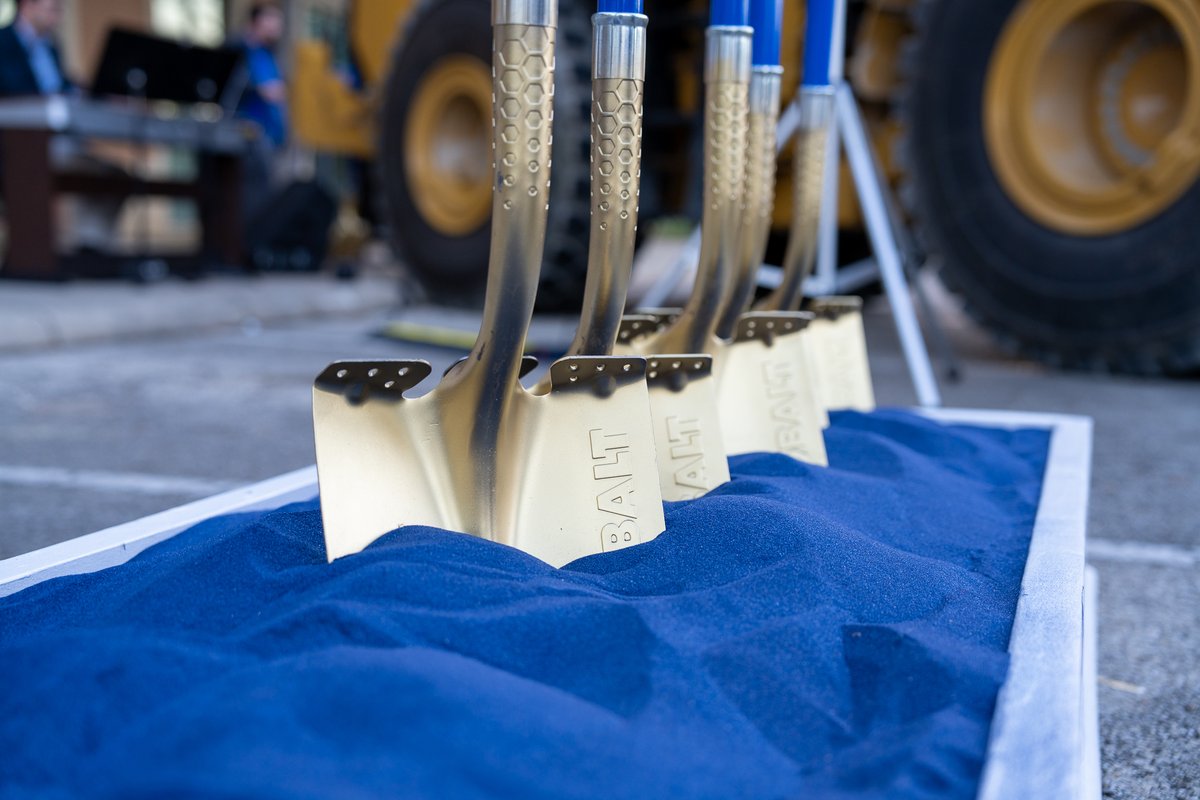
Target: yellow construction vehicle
<point>1047,152</point>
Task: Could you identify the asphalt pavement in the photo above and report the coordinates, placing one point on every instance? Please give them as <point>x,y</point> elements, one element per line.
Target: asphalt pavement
<point>96,432</point>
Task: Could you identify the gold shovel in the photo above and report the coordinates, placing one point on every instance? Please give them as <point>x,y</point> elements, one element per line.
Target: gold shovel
<point>560,476</point>
<point>838,353</point>
<point>618,77</point>
<point>764,384</point>
<point>836,341</point>
<point>692,456</point>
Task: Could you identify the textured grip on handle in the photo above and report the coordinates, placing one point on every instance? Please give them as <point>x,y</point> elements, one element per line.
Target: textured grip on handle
<point>724,196</point>
<point>725,143</point>
<point>809,180</point>
<point>726,97</point>
<point>725,193</point>
<point>812,143</point>
<point>523,95</point>
<point>759,199</point>
<point>616,157</point>
<point>523,87</point>
<point>616,169</point>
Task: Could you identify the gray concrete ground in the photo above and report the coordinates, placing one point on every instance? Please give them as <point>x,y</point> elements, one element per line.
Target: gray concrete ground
<point>96,434</point>
<point>37,315</point>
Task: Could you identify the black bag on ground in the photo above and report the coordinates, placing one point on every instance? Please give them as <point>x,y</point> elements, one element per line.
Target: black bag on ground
<point>290,232</point>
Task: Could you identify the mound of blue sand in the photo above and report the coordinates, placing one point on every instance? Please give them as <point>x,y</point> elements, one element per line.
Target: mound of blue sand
<point>800,632</point>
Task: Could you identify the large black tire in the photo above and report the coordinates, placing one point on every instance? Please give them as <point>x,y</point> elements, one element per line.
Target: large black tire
<point>453,269</point>
<point>1128,302</point>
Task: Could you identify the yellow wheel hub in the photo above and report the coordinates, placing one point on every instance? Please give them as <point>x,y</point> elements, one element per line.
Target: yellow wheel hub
<point>1092,110</point>
<point>447,145</point>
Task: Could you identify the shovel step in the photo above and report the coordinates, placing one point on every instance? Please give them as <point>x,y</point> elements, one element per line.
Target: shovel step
<point>646,321</point>
<point>601,375</point>
<point>765,326</point>
<point>834,307</point>
<point>675,372</point>
<point>635,327</point>
<point>360,381</point>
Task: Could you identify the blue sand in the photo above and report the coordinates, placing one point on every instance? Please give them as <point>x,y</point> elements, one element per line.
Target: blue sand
<point>800,632</point>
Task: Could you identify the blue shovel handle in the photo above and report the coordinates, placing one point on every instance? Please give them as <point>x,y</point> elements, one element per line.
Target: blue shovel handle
<point>619,6</point>
<point>766,17</point>
<point>729,12</point>
<point>818,41</point>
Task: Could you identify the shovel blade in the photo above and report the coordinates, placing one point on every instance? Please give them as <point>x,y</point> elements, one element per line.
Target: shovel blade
<point>584,477</point>
<point>765,390</point>
<point>692,459</point>
<point>838,354</point>
<point>373,459</point>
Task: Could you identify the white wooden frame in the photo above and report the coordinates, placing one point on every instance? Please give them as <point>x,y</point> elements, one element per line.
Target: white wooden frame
<point>1044,740</point>
<point>116,545</point>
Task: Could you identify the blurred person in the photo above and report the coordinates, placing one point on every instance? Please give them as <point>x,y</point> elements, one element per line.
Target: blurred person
<point>265,100</point>
<point>29,60</point>
<point>30,65</point>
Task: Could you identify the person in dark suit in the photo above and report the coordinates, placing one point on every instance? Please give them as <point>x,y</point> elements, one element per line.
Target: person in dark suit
<point>30,66</point>
<point>29,60</point>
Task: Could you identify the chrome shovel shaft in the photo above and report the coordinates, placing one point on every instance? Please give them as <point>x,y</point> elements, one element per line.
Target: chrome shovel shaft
<point>691,452</point>
<point>765,390</point>
<point>816,115</point>
<point>523,87</point>
<point>584,478</point>
<point>476,398</point>
<point>618,73</point>
<point>441,459</point>
<point>759,192</point>
<point>727,85</point>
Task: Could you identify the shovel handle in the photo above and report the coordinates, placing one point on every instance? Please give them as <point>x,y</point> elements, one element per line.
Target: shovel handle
<point>808,179</point>
<point>618,74</point>
<point>760,191</point>
<point>726,90</point>
<point>522,106</point>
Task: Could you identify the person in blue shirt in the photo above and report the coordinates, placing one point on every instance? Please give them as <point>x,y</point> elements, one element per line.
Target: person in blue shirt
<point>265,99</point>
<point>29,60</point>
